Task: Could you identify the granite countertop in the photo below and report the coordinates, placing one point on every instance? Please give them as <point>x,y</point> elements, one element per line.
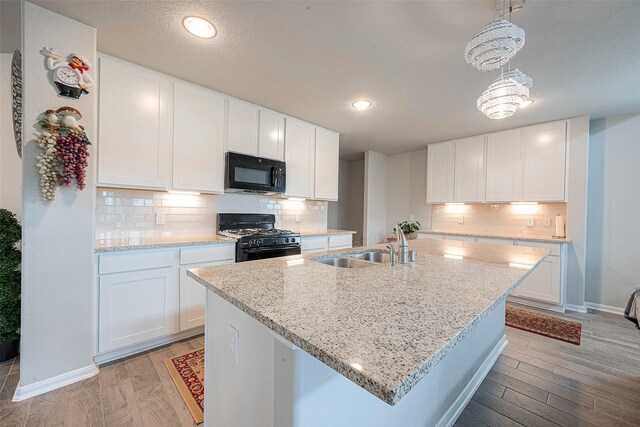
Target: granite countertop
<point>326,232</point>
<point>392,323</point>
<point>133,243</point>
<point>542,239</point>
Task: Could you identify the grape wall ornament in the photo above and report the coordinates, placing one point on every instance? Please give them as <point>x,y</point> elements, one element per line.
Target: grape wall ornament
<point>65,151</point>
<point>16,98</point>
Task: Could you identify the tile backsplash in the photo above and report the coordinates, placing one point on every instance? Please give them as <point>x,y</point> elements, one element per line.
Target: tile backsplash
<point>501,218</point>
<point>126,213</point>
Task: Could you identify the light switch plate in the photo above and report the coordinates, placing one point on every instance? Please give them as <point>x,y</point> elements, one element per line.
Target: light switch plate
<point>298,217</point>
<point>412,218</point>
<point>547,222</point>
<point>232,342</point>
<point>530,222</point>
<point>160,219</point>
<point>460,219</point>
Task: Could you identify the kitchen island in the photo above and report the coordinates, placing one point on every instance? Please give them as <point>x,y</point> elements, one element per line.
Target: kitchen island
<point>294,342</point>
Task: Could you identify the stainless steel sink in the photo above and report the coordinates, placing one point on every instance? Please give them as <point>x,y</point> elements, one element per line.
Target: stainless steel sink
<point>373,256</point>
<point>345,262</point>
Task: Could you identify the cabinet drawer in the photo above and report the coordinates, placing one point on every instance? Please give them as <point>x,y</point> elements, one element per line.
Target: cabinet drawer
<point>220,252</point>
<point>340,241</point>
<point>313,244</point>
<point>138,260</point>
<point>555,248</point>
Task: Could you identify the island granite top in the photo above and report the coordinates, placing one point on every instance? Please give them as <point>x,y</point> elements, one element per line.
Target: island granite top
<point>382,327</point>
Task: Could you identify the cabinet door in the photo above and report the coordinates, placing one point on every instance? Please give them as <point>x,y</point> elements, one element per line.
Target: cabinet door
<point>134,127</point>
<point>192,297</point>
<point>242,127</point>
<point>469,169</point>
<point>271,135</point>
<point>314,244</point>
<point>440,166</point>
<point>198,149</point>
<point>137,306</point>
<point>504,166</point>
<point>300,158</point>
<point>543,283</point>
<point>326,166</point>
<point>544,149</point>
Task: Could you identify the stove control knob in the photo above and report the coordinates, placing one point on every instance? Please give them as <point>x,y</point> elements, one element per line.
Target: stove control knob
<point>293,239</point>
<point>274,241</point>
<point>259,241</point>
<point>286,240</point>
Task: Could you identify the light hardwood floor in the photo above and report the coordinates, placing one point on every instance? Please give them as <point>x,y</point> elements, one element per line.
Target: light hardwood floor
<point>536,382</point>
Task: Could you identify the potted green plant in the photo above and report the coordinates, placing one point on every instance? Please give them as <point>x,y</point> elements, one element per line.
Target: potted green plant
<point>10,277</point>
<point>409,228</point>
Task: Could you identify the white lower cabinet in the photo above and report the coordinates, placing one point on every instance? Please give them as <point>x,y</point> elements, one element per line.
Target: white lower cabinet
<point>137,306</point>
<point>145,297</point>
<point>458,238</point>
<point>315,244</point>
<point>543,283</point>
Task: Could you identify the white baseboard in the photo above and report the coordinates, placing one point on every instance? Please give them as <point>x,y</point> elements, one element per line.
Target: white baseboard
<point>578,308</point>
<point>37,388</point>
<point>606,308</point>
<point>121,353</point>
<point>463,399</point>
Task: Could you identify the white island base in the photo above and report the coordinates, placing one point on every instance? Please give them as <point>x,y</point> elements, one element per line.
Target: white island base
<point>263,380</point>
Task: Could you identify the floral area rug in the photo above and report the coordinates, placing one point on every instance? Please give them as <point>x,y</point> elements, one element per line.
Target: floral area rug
<point>187,372</point>
<point>548,326</point>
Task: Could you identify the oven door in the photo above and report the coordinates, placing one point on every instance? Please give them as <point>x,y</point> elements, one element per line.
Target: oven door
<point>253,254</point>
<point>254,174</point>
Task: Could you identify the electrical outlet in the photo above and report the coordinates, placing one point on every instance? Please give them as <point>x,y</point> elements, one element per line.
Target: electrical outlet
<point>412,218</point>
<point>460,219</point>
<point>298,217</point>
<point>160,219</point>
<point>547,222</point>
<point>232,342</point>
<point>530,222</point>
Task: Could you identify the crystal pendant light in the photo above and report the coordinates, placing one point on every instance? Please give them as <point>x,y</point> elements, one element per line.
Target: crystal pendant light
<point>505,95</point>
<point>495,45</point>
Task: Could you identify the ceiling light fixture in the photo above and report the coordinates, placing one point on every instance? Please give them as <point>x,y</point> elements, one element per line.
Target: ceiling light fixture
<point>199,27</point>
<point>527,103</point>
<point>495,45</point>
<point>505,95</point>
<point>361,104</point>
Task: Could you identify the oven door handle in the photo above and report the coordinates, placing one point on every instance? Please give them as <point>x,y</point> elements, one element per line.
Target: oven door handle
<point>269,249</point>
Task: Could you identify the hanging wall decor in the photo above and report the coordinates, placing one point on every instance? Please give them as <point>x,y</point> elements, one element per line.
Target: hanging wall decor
<point>71,74</point>
<point>65,151</point>
<point>16,98</point>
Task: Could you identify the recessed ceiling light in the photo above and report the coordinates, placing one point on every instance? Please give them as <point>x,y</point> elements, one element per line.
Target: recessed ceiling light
<point>526,103</point>
<point>361,104</point>
<point>199,27</point>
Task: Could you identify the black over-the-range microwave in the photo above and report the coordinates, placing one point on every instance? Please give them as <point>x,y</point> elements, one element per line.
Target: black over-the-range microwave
<point>249,174</point>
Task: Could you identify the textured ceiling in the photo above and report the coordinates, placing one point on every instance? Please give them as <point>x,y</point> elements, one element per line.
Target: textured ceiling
<point>312,59</point>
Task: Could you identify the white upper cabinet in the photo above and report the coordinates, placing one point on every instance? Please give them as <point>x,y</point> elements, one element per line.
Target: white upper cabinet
<point>440,176</point>
<point>544,149</point>
<point>300,158</point>
<point>469,169</point>
<point>327,162</point>
<point>135,126</point>
<point>242,127</point>
<point>271,135</point>
<point>504,166</point>
<point>198,142</point>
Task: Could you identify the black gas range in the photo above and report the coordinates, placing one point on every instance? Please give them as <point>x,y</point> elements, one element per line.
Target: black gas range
<point>257,236</point>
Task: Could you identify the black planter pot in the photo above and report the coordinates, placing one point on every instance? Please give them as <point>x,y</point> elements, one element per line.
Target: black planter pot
<point>9,350</point>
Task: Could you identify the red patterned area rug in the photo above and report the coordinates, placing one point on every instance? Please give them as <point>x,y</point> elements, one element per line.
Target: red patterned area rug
<point>187,372</point>
<point>548,326</point>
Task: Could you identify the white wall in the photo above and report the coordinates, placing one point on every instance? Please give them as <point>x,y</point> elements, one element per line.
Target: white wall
<point>613,234</point>
<point>375,198</point>
<point>395,189</point>
<point>348,212</point>
<point>57,244</point>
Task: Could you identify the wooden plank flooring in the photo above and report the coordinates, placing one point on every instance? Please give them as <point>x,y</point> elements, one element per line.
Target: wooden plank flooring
<point>537,381</point>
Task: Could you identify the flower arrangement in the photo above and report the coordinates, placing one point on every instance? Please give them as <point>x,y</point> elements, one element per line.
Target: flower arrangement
<point>65,151</point>
<point>10,278</point>
<point>409,227</point>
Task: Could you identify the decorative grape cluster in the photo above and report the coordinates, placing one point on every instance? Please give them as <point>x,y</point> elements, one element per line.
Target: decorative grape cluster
<point>48,165</point>
<point>73,154</point>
